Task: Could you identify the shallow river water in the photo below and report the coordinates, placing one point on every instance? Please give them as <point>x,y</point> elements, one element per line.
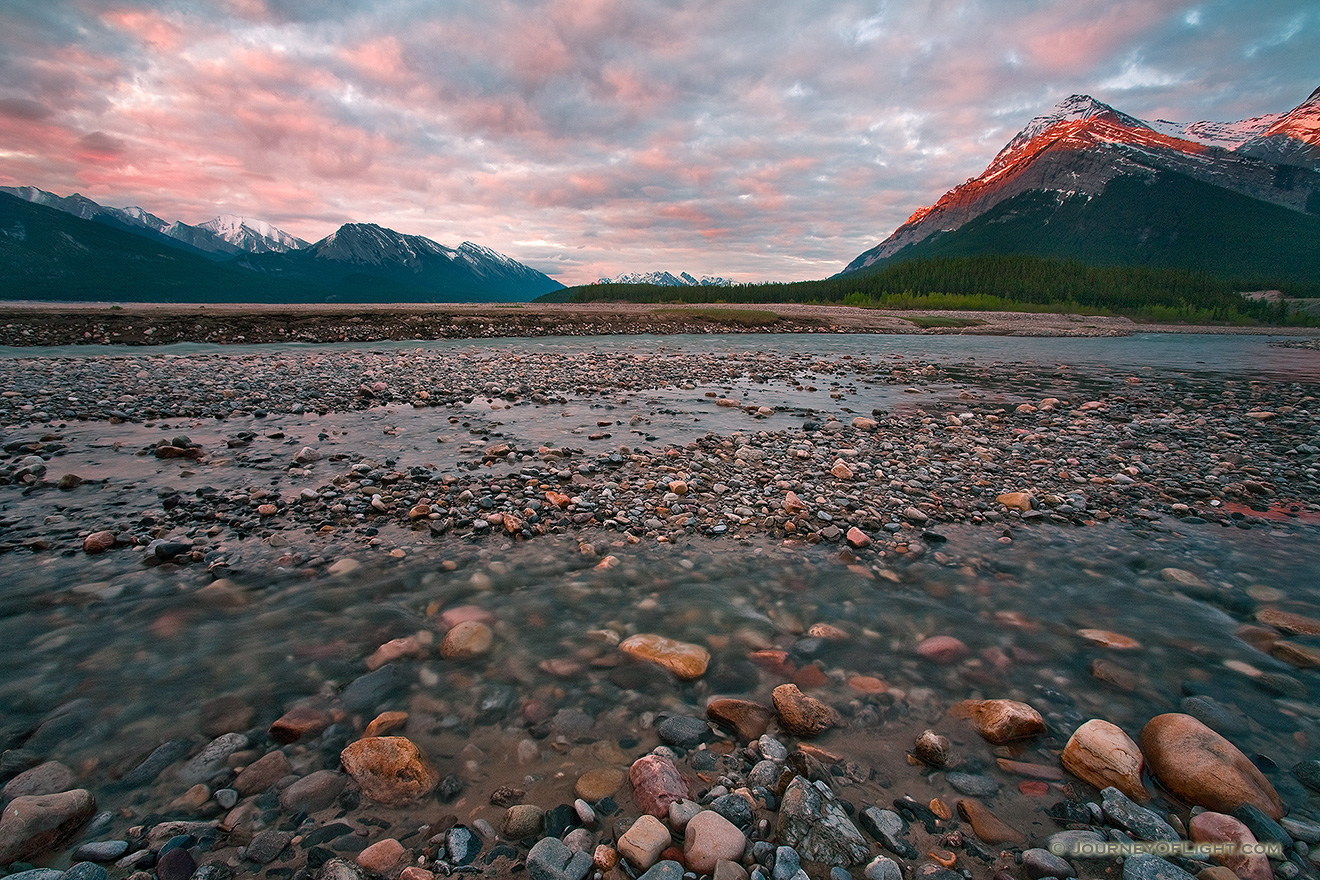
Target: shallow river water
<point>104,658</point>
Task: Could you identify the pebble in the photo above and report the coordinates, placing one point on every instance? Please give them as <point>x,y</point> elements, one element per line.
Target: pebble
<point>1140,822</point>
<point>686,661</point>
<point>1147,867</point>
<point>101,851</point>
<point>932,748</point>
<point>550,859</point>
<point>1038,864</point>
<point>522,821</point>
<point>800,714</point>
<point>1003,721</point>
<point>261,774</point>
<point>683,731</point>
<point>942,649</point>
<point>468,639</point>
<point>266,846</point>
<point>50,777</point>
<point>600,783</point>
<point>298,723</point>
<point>748,719</point>
<point>381,856</point>
<point>986,825</point>
<point>315,791</point>
<point>643,842</point>
<point>88,871</point>
<point>391,770</point>
<point>212,759</point>
<point>708,838</point>
<point>1210,827</point>
<point>888,828</point>
<point>179,864</point>
<point>664,870</point>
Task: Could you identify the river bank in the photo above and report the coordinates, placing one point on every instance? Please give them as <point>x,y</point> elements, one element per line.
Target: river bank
<point>47,324</point>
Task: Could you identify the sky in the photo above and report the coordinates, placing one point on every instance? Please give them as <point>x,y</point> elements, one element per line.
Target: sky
<point>750,139</point>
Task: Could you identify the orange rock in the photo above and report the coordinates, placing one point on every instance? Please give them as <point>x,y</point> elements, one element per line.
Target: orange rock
<point>390,770</point>
<point>98,542</point>
<point>1109,639</point>
<point>386,722</point>
<point>1102,754</point>
<point>810,676</point>
<point>827,631</point>
<point>395,649</point>
<point>1022,501</point>
<point>1032,771</point>
<point>940,809</point>
<point>1295,654</point>
<point>297,723</point>
<point>1002,721</point>
<point>685,660</point>
<point>772,661</point>
<point>1201,767</point>
<point>865,684</point>
<point>793,504</point>
<point>1287,621</point>
<point>470,638</point>
<point>800,714</point>
<point>1034,788</point>
<point>1218,828</point>
<point>749,720</point>
<point>986,824</point>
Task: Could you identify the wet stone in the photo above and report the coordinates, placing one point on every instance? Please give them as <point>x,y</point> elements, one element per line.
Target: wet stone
<point>683,731</point>
<point>266,846</point>
<point>973,784</point>
<point>888,828</point>
<point>48,778</point>
<point>664,870</point>
<point>461,845</point>
<point>101,851</point>
<point>34,824</point>
<point>176,864</point>
<point>817,826</point>
<point>1140,822</point>
<point>315,791</point>
<point>882,868</point>
<point>734,808</point>
<point>1147,867</point>
<point>1038,864</point>
<point>89,871</point>
<point>212,759</point>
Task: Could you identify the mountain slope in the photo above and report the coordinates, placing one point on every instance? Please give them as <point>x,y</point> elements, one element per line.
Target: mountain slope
<point>50,254</point>
<point>667,279</point>
<point>363,259</point>
<point>1082,149</point>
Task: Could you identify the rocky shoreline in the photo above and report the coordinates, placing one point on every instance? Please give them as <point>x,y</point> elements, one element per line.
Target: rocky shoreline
<point>296,644</point>
<point>47,324</point>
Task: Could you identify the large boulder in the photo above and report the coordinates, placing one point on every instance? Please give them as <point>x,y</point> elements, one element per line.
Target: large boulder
<point>1201,767</point>
<point>816,825</point>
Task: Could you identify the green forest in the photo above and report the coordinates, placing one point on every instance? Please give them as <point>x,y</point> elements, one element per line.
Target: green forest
<point>1002,283</point>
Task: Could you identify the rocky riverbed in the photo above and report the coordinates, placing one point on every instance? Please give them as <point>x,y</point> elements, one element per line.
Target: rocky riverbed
<point>639,611</point>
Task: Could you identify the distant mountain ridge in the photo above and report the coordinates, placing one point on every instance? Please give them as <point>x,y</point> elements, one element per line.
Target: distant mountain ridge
<point>1055,186</point>
<point>59,248</point>
<point>665,279</point>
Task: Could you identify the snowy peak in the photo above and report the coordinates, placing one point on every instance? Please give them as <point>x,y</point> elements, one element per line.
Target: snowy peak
<point>1068,117</point>
<point>666,279</point>
<point>1293,139</point>
<point>377,246</point>
<point>1225,135</point>
<point>253,236</point>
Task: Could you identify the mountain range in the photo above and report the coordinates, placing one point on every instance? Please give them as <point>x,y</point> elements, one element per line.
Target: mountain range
<point>1090,182</point>
<point>71,248</point>
<point>666,279</point>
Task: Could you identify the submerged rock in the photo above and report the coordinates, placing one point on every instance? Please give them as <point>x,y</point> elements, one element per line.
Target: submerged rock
<point>1201,767</point>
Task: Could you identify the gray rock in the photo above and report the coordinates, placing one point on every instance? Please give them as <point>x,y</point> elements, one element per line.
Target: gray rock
<point>163,756</point>
<point>33,824</point>
<point>1138,821</point>
<point>101,851</point>
<point>339,869</point>
<point>764,773</point>
<point>882,868</point>
<point>1261,825</point>
<point>815,824</point>
<point>1301,829</point>
<point>888,828</point>
<point>1308,774</point>
<point>552,860</point>
<point>211,760</point>
<point>266,846</point>
<point>837,873</point>
<point>226,798</point>
<point>666,870</point>
<point>973,784</point>
<point>683,731</point>
<point>772,749</point>
<point>733,807</point>
<point>1147,867</point>
<point>1040,863</point>
<point>461,845</point>
<point>787,863</point>
<point>366,692</point>
<point>313,792</point>
<point>37,874</point>
<point>85,871</point>
<point>586,815</point>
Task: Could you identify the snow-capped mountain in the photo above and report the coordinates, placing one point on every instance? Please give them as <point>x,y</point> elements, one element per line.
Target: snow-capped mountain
<point>222,237</point>
<point>1075,153</point>
<point>393,265</point>
<point>253,236</point>
<point>666,279</point>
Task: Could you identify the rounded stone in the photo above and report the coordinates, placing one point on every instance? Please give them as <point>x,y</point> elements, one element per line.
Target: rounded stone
<point>468,638</point>
<point>1102,754</point>
<point>1003,721</point>
<point>521,821</point>
<point>656,784</point>
<point>686,661</point>
<point>594,785</point>
<point>942,649</point>
<point>1201,767</point>
<point>708,838</point>
<point>381,856</point>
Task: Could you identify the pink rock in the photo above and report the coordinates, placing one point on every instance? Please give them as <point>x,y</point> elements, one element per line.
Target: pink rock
<point>452,617</point>
<point>708,838</point>
<point>656,784</point>
<point>381,856</point>
<point>1218,828</point>
<point>942,649</point>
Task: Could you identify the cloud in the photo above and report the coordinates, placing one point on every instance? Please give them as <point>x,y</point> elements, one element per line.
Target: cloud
<point>754,139</point>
